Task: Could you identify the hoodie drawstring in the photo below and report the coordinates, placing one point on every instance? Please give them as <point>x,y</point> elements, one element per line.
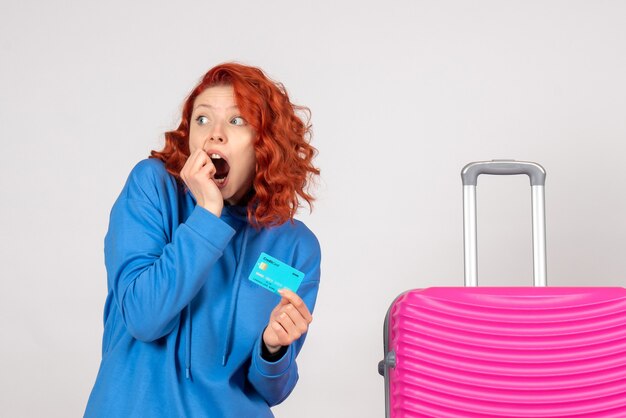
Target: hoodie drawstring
<point>231,315</point>
<point>188,345</point>
<point>235,294</point>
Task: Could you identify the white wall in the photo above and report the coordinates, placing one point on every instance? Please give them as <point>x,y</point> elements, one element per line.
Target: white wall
<point>403,94</point>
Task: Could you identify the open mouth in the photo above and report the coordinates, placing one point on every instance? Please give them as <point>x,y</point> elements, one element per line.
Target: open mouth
<point>222,168</point>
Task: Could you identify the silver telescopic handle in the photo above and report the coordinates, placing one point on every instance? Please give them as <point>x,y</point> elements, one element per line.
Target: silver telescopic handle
<point>537,176</point>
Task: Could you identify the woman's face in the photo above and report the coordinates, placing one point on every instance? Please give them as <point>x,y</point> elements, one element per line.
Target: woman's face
<point>218,128</point>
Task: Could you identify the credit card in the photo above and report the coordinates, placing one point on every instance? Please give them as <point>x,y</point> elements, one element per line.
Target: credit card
<point>273,274</point>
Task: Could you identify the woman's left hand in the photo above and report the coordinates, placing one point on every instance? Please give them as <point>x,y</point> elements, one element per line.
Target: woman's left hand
<point>288,321</point>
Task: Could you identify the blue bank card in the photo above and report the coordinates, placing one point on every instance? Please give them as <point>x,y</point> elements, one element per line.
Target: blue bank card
<point>273,274</point>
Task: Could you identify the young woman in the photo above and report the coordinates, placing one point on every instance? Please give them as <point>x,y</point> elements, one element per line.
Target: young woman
<point>186,332</point>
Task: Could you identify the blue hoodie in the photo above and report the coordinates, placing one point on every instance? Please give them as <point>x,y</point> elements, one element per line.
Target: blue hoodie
<point>182,323</point>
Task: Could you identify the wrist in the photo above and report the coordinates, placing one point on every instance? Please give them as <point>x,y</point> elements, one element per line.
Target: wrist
<point>217,211</point>
<point>272,357</point>
<point>271,348</point>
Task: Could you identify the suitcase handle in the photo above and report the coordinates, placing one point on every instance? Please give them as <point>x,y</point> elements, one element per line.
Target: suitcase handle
<point>537,175</point>
<point>535,172</point>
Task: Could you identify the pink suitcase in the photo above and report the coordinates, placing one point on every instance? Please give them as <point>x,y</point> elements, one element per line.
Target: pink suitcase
<point>506,351</point>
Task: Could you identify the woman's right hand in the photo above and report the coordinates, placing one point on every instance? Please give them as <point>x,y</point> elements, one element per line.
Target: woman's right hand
<point>197,173</point>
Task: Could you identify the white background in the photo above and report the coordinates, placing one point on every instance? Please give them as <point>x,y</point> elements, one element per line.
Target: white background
<point>402,94</point>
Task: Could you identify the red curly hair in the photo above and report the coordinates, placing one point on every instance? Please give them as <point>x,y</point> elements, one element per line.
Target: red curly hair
<point>283,152</point>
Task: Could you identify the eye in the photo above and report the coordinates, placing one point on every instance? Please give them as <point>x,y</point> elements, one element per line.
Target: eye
<point>202,120</point>
<point>238,121</point>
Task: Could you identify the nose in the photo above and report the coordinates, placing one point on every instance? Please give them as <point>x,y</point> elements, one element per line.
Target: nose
<point>217,134</point>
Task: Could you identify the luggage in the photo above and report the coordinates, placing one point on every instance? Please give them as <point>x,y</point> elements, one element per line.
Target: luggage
<point>505,351</point>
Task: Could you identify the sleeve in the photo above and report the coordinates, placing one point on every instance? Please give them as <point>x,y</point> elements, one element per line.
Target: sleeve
<point>275,380</point>
<point>152,279</point>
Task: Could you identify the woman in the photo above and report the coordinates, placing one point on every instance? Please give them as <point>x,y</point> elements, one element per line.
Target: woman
<point>186,332</point>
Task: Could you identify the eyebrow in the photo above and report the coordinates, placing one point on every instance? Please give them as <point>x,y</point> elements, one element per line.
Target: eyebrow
<point>213,107</point>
